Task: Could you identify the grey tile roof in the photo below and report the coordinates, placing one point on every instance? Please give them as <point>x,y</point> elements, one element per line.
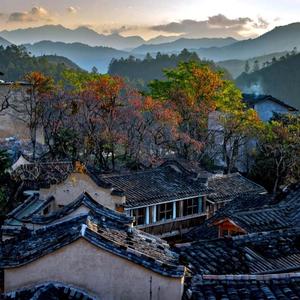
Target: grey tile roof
<point>252,99</point>
<point>86,200</point>
<point>255,213</point>
<point>106,231</point>
<point>272,287</point>
<point>227,187</point>
<point>42,175</point>
<point>48,291</point>
<point>259,253</point>
<point>168,182</point>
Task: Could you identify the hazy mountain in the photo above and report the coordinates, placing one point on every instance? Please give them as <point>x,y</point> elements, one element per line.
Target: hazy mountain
<point>281,80</point>
<point>58,33</point>
<point>4,43</point>
<point>184,43</point>
<point>236,66</point>
<point>162,39</point>
<point>83,55</point>
<point>277,40</point>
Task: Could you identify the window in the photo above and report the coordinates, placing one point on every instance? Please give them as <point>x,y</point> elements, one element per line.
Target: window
<point>190,206</point>
<point>139,215</point>
<point>164,211</point>
<point>225,232</point>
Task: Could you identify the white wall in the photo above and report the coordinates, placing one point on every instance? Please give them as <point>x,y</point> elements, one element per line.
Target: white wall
<point>67,191</point>
<point>97,271</point>
<point>266,108</point>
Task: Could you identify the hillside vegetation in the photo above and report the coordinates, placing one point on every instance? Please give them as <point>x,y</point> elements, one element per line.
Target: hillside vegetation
<point>237,66</point>
<point>280,79</point>
<point>140,72</point>
<point>15,62</point>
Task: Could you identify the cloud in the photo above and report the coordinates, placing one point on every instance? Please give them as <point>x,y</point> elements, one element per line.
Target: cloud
<point>36,14</point>
<point>214,26</point>
<point>261,23</point>
<point>119,30</point>
<point>72,10</point>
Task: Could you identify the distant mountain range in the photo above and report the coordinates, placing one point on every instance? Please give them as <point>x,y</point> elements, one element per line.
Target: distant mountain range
<point>281,80</point>
<point>277,40</point>
<point>162,39</point>
<point>58,33</point>
<point>87,48</point>
<point>86,57</point>
<point>181,43</point>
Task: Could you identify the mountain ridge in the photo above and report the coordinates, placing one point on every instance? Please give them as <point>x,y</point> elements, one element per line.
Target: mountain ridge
<point>85,56</point>
<point>182,43</point>
<point>281,79</point>
<point>59,33</point>
<point>279,39</point>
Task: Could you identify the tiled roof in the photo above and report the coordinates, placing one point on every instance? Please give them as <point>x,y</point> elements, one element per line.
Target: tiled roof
<point>252,99</point>
<point>227,187</point>
<point>271,287</point>
<point>86,200</point>
<point>108,233</point>
<point>42,175</point>
<point>255,213</point>
<point>48,291</point>
<point>168,182</point>
<point>259,253</point>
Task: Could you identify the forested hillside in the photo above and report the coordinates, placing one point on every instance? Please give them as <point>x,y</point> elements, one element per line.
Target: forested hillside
<point>237,66</point>
<point>280,79</point>
<point>15,62</point>
<point>140,71</point>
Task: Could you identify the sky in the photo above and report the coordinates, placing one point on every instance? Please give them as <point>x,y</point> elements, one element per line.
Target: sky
<point>149,18</point>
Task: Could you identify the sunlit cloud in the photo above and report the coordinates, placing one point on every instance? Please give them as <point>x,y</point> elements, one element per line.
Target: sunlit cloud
<point>36,14</point>
<point>214,26</point>
<point>72,10</point>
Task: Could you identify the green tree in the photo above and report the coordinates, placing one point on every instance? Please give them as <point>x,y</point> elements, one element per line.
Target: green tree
<point>194,89</point>
<point>239,125</point>
<point>278,159</point>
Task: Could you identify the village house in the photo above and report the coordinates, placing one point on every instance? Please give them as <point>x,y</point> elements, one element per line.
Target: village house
<point>97,254</point>
<point>165,201</point>
<point>263,265</point>
<point>241,287</point>
<point>265,106</point>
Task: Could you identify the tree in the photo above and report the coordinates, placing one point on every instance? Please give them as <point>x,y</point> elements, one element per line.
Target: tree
<point>239,124</point>
<point>278,159</point>
<point>247,67</point>
<point>193,89</point>
<point>256,66</point>
<point>29,107</point>
<point>94,70</point>
<point>4,178</point>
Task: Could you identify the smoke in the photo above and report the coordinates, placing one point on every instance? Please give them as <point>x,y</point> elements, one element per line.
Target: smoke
<point>256,89</point>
